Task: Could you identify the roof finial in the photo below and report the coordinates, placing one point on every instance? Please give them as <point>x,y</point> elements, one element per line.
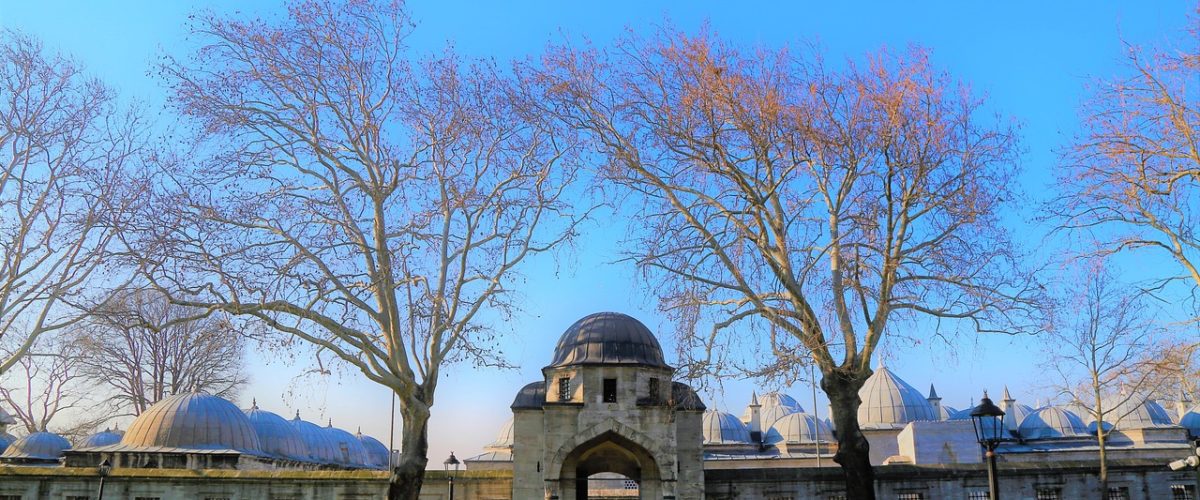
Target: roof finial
<point>297,414</point>
<point>253,403</point>
<point>331,422</point>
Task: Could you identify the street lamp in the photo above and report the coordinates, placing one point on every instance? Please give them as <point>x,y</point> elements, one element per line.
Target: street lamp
<point>103,469</point>
<point>452,461</point>
<point>988,420</point>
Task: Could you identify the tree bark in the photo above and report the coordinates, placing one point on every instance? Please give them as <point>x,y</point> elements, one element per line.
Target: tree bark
<point>854,452</point>
<point>409,472</point>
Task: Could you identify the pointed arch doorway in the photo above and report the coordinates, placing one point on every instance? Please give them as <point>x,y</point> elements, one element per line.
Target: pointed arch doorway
<point>613,453</point>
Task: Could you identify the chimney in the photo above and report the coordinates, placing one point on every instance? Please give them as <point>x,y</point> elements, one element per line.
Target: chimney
<point>755,423</point>
<point>935,402</point>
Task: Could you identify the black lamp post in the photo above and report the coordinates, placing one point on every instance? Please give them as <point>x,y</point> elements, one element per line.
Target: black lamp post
<point>452,461</point>
<point>989,431</point>
<point>103,469</point>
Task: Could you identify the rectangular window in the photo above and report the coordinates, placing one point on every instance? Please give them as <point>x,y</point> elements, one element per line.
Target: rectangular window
<point>564,389</point>
<point>1118,493</point>
<point>978,495</point>
<point>654,389</point>
<point>610,390</point>
<point>1049,493</point>
<point>910,495</point>
<point>1183,492</point>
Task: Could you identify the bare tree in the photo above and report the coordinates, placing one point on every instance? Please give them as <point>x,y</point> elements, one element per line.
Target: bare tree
<point>45,383</point>
<point>136,345</point>
<point>1100,337</point>
<point>64,146</point>
<point>807,209</point>
<point>1131,179</point>
<point>373,206</point>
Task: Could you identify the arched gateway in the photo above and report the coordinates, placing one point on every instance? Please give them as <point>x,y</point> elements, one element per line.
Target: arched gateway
<point>607,405</point>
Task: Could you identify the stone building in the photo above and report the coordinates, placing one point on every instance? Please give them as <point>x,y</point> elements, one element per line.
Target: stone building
<point>607,421</point>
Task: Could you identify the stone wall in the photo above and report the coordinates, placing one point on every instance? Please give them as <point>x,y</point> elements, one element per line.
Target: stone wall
<point>58,483</point>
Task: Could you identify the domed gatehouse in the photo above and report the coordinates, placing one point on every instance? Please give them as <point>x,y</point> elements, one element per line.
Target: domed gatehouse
<point>607,405</point>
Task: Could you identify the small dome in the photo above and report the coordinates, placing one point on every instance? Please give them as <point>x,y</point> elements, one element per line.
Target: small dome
<point>350,449</point>
<point>5,440</point>
<point>6,419</point>
<point>1191,421</point>
<point>38,446</point>
<point>377,453</point>
<point>947,412</point>
<point>321,446</point>
<point>1137,412</point>
<point>608,338</point>
<point>193,421</point>
<point>889,401</point>
<point>771,415</point>
<point>1052,422</point>
<point>724,428</point>
<point>505,438</point>
<point>798,428</point>
<point>103,438</point>
<point>277,437</point>
<point>1015,413</point>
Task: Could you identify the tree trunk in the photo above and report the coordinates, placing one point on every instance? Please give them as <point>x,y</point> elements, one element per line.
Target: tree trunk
<point>1100,437</point>
<point>854,452</point>
<point>409,471</point>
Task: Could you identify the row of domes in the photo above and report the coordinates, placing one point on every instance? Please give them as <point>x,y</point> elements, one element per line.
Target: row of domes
<point>204,422</point>
<point>890,402</point>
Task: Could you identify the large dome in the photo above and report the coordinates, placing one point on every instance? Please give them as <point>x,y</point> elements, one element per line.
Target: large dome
<point>724,428</point>
<point>193,421</point>
<point>888,401</point>
<point>608,338</point>
<point>278,437</point>
<point>38,446</point>
<point>504,439</point>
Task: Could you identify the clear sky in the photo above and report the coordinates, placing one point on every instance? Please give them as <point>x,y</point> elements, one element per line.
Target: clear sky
<point>1031,59</point>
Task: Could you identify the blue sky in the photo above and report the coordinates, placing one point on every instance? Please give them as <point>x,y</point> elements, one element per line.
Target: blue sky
<point>1032,60</point>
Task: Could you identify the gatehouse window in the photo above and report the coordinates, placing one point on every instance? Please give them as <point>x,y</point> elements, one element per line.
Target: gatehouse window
<point>564,389</point>
<point>610,390</point>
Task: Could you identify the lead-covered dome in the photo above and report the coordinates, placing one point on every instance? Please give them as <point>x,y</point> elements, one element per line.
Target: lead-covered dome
<point>504,439</point>
<point>724,428</point>
<point>888,401</point>
<point>1135,412</point>
<point>1052,422</point>
<point>321,446</point>
<point>350,448</point>
<point>5,440</point>
<point>608,338</point>
<point>193,421</point>
<point>277,437</point>
<point>105,437</point>
<point>37,446</point>
<point>774,406</point>
<point>377,453</point>
<point>798,428</point>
